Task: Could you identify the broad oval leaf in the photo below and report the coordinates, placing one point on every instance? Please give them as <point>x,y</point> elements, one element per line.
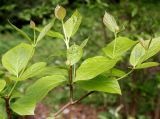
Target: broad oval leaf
<point>153,49</point>
<point>147,65</point>
<point>17,58</point>
<point>45,30</point>
<point>33,70</point>
<point>122,45</point>
<point>137,53</point>
<point>72,24</point>
<point>35,93</point>
<point>3,114</point>
<point>110,22</point>
<point>74,54</point>
<point>2,84</point>
<point>94,66</point>
<point>101,83</point>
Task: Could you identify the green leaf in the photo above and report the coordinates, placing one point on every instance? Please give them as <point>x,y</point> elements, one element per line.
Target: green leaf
<point>2,84</point>
<point>74,54</point>
<point>34,70</point>
<point>153,49</point>
<point>94,66</point>
<point>21,32</point>
<point>45,30</point>
<point>84,43</point>
<point>147,65</point>
<point>72,24</point>
<point>115,72</point>
<point>122,45</point>
<point>15,95</point>
<point>51,33</point>
<point>110,22</point>
<point>17,58</point>
<point>137,53</point>
<point>35,93</point>
<point>3,114</point>
<point>101,83</point>
<point>52,70</point>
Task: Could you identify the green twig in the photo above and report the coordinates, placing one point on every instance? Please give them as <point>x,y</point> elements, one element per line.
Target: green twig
<point>115,41</point>
<point>34,35</point>
<point>126,74</point>
<point>10,93</point>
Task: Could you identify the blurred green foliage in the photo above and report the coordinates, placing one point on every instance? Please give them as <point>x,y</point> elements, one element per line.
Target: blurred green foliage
<point>140,20</point>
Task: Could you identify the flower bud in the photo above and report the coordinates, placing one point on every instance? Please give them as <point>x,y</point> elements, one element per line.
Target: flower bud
<point>110,23</point>
<point>32,24</point>
<point>60,12</point>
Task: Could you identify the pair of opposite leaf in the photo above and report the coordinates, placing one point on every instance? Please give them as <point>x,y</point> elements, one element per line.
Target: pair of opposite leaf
<point>15,61</point>
<point>140,53</point>
<point>93,68</point>
<point>70,27</point>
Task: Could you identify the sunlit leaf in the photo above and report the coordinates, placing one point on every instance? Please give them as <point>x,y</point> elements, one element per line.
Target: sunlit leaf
<point>94,66</point>
<point>51,33</point>
<point>153,49</point>
<point>122,45</point>
<point>17,58</point>
<point>72,24</point>
<point>115,72</point>
<point>45,30</point>
<point>35,93</point>
<point>53,70</point>
<point>3,114</point>
<point>137,53</point>
<point>101,83</point>
<point>2,84</point>
<point>33,70</point>
<point>74,54</point>
<point>147,65</point>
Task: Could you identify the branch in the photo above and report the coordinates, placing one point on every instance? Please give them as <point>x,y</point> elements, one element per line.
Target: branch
<point>72,103</point>
<point>9,114</point>
<point>84,96</point>
<point>71,84</point>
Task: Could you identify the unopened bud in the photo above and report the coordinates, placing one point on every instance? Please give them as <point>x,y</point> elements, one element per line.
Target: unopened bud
<point>110,23</point>
<point>60,12</point>
<point>32,24</point>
